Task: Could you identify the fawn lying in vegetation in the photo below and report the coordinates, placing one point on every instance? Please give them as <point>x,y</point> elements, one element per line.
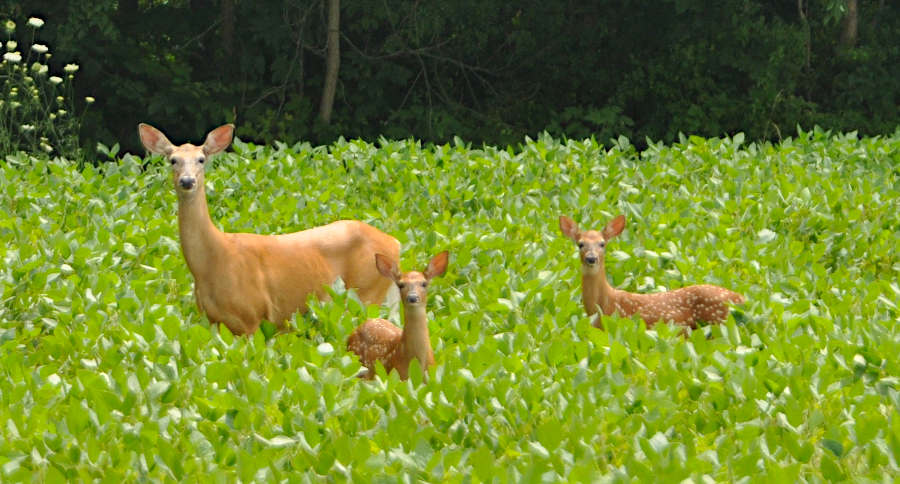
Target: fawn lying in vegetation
<point>685,306</point>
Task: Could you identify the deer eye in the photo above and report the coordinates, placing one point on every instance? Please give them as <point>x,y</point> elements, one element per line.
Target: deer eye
<point>602,244</point>
<point>173,160</point>
<point>401,285</point>
<point>202,160</point>
<point>424,284</point>
<point>581,245</point>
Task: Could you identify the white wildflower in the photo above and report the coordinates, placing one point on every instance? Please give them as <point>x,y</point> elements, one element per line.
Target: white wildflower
<point>15,104</point>
<point>47,148</point>
<point>35,22</point>
<point>13,57</point>
<point>39,68</point>
<point>62,112</point>
<point>71,68</point>
<point>55,79</point>
<point>10,26</point>
<point>60,98</point>
<point>40,48</point>
<point>27,127</point>
<point>89,100</point>
<point>11,45</point>
<point>52,116</point>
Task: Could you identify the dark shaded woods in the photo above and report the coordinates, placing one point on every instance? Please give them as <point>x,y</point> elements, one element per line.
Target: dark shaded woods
<point>484,70</point>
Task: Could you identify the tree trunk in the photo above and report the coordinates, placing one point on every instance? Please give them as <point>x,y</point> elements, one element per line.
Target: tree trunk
<point>228,25</point>
<point>802,9</point>
<point>851,25</point>
<point>877,14</point>
<point>332,60</point>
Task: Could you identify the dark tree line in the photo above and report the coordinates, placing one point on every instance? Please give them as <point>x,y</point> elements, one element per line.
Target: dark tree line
<point>484,70</point>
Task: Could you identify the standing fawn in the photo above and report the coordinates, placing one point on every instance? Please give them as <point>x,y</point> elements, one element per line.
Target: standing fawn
<point>379,340</point>
<point>685,306</point>
<point>242,279</point>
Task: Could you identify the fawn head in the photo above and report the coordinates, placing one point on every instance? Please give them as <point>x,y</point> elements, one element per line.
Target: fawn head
<point>591,243</point>
<point>188,161</point>
<point>413,285</point>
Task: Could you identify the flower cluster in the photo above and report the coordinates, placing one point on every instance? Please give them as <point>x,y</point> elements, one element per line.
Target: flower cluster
<point>34,104</point>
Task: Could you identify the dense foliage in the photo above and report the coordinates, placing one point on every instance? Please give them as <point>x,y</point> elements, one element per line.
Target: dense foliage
<point>110,375</point>
<point>488,71</point>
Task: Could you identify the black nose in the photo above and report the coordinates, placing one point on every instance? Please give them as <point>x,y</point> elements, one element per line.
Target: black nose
<point>590,260</point>
<point>412,298</point>
<point>187,182</point>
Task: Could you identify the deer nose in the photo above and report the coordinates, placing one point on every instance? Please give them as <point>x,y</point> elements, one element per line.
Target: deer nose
<point>590,260</point>
<point>187,182</point>
<point>412,298</point>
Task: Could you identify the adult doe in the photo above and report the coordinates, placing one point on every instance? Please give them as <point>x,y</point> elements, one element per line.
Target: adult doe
<point>242,279</point>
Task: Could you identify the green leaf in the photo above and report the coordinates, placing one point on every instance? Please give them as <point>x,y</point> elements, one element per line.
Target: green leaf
<point>268,330</point>
<point>641,471</point>
<point>483,464</point>
<point>77,418</point>
<point>157,390</point>
<point>799,448</point>
<point>276,442</point>
<point>415,372</point>
<point>831,471</point>
<point>617,353</point>
<point>549,434</point>
<point>834,446</point>
<point>538,450</point>
<point>765,236</point>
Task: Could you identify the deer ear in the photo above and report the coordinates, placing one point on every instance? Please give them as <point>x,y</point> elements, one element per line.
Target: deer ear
<point>614,227</point>
<point>218,139</point>
<point>154,140</point>
<point>387,267</point>
<point>437,266</point>
<point>569,228</point>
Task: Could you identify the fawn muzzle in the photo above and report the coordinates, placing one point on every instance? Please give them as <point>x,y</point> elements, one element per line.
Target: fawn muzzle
<point>412,298</point>
<point>591,259</point>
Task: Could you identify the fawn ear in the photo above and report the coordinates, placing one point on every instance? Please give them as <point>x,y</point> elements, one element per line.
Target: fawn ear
<point>437,266</point>
<point>218,139</point>
<point>387,267</point>
<point>569,228</point>
<point>614,227</point>
<point>154,140</point>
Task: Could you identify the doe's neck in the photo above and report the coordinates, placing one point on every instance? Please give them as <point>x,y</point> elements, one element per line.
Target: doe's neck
<point>201,241</point>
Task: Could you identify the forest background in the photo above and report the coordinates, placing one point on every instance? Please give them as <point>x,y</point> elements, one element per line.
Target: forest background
<point>484,70</point>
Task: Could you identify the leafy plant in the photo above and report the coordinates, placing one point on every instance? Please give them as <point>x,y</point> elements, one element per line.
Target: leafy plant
<point>110,374</point>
